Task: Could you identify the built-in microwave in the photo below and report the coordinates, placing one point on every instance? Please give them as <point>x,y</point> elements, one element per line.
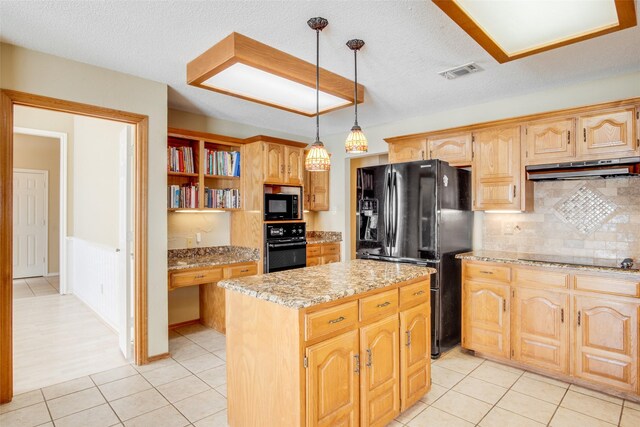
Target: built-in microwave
<point>281,207</point>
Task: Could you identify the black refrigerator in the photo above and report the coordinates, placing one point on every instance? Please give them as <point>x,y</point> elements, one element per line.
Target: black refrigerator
<point>419,213</point>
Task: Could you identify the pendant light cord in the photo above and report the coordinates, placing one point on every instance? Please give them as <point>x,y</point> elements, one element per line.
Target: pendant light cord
<point>317,85</point>
<point>355,86</point>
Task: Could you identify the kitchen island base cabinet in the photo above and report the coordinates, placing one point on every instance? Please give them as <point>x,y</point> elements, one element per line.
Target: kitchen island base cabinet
<point>485,324</point>
<point>415,354</point>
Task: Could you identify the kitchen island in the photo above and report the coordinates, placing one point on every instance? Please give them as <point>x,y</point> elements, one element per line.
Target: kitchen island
<point>337,344</point>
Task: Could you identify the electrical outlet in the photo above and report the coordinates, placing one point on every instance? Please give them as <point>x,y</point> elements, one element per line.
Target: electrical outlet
<point>189,242</point>
<point>507,228</point>
<point>198,238</point>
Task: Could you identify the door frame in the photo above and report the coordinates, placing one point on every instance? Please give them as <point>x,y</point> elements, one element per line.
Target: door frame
<point>9,99</point>
<point>62,138</point>
<point>46,214</point>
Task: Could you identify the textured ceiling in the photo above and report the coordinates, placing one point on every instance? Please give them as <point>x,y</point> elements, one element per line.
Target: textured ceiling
<point>407,43</point>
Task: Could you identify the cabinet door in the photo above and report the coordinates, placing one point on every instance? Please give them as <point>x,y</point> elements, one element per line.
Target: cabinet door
<point>274,163</point>
<point>319,191</point>
<point>415,354</point>
<point>606,342</point>
<point>294,170</point>
<point>496,169</point>
<point>540,329</point>
<point>333,380</point>
<point>455,149</point>
<point>610,134</point>
<point>485,318</point>
<point>550,141</point>
<point>407,151</point>
<point>380,382</point>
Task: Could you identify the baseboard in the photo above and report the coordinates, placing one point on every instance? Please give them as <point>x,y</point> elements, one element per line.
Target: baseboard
<point>186,323</point>
<point>52,274</point>
<point>157,357</point>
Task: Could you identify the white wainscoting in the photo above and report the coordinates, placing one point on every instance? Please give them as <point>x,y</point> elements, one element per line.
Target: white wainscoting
<point>93,274</point>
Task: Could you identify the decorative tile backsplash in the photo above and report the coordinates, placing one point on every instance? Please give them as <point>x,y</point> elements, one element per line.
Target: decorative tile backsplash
<point>592,218</point>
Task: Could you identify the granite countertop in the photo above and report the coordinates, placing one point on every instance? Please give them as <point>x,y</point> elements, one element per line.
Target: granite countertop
<point>305,287</point>
<point>556,261</point>
<point>317,237</point>
<point>180,259</point>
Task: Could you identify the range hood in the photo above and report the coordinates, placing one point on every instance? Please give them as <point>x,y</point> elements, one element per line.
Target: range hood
<point>627,166</point>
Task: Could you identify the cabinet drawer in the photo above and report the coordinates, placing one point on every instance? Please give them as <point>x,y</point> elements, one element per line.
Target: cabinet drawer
<point>384,303</point>
<point>540,278</point>
<point>190,278</point>
<point>328,259</point>
<point>330,249</point>
<point>314,260</point>
<point>241,271</point>
<point>313,250</point>
<point>332,319</point>
<point>607,285</point>
<point>489,272</point>
<point>414,294</point>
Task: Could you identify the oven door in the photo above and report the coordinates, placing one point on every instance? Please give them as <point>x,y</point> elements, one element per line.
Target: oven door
<point>285,256</point>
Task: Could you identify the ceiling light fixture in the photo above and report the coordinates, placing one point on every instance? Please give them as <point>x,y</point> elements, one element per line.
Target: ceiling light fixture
<point>317,159</point>
<point>356,141</point>
<point>245,68</point>
<point>511,30</point>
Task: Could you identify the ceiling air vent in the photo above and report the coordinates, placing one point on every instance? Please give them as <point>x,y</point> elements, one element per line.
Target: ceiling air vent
<point>462,70</point>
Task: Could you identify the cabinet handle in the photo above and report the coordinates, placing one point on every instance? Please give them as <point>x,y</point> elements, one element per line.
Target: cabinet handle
<point>369,358</point>
<point>418,293</point>
<point>200,276</point>
<point>504,305</point>
<point>514,191</point>
<point>314,198</point>
<point>578,318</point>
<point>408,338</point>
<point>562,315</point>
<point>281,168</point>
<point>289,169</point>
<point>357,363</point>
<point>384,304</point>
<point>338,320</point>
<point>486,272</point>
<point>246,270</point>
<point>584,134</point>
<point>422,155</point>
<point>568,137</point>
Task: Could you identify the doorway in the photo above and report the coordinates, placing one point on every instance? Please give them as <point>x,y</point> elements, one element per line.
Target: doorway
<point>9,99</point>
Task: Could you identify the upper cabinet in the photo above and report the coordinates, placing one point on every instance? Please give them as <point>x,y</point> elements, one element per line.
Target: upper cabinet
<point>608,134</point>
<point>549,140</point>
<point>273,162</point>
<point>457,149</point>
<point>283,164</point>
<point>294,163</point>
<point>316,189</point>
<point>408,150</point>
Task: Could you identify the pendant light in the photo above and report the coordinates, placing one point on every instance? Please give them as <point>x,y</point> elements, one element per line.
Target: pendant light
<point>317,159</point>
<point>356,141</point>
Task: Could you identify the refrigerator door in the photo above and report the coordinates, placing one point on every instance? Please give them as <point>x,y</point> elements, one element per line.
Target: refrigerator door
<point>454,207</point>
<point>373,224</point>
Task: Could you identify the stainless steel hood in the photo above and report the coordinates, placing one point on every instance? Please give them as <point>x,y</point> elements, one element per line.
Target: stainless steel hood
<point>590,169</point>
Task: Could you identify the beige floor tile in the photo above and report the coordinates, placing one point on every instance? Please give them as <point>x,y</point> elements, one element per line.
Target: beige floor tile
<point>433,417</point>
<point>434,394</point>
<point>461,363</point>
<point>591,406</point>
<point>491,374</point>
<point>632,405</point>
<point>201,405</point>
<point>67,387</point>
<point>162,363</point>
<point>499,417</point>
<point>222,389</point>
<point>411,412</point>
<point>597,394</point>
<point>463,406</point>
<point>221,354</point>
<point>75,402</point>
<point>114,374</point>
<point>393,423</point>
<point>202,363</point>
<point>445,377</point>
<point>22,292</point>
<point>215,376</point>
<point>49,424</point>
<point>481,390</point>
<point>547,380</point>
<point>26,417</point>
<point>567,418</point>
<point>503,367</point>
<point>630,418</point>
<point>183,388</point>
<point>100,416</point>
<point>540,390</point>
<point>167,416</point>
<point>527,406</point>
<point>138,404</point>
<point>166,375</point>
<point>188,351</point>
<point>22,400</point>
<point>124,387</point>
<point>215,420</point>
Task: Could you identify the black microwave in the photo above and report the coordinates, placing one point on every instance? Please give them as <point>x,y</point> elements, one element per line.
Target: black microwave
<point>281,207</point>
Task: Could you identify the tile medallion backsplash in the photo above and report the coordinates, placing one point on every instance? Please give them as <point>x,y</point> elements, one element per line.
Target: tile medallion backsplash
<point>592,218</point>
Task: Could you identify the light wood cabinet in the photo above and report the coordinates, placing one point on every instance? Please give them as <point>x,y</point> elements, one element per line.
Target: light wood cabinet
<point>549,141</point>
<point>455,149</point>
<point>606,341</point>
<point>294,165</point>
<point>333,382</point>
<point>322,253</point>
<point>408,150</point>
<point>608,134</point>
<point>317,191</point>
<point>380,382</point>
<point>274,163</point>
<point>496,169</point>
<point>415,354</point>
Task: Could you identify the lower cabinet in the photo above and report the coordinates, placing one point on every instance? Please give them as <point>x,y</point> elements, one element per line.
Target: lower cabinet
<point>415,354</point>
<point>322,253</point>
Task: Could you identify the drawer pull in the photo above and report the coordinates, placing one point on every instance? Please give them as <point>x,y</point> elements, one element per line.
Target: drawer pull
<point>578,318</point>
<point>338,320</point>
<point>486,272</point>
<point>562,315</point>
<point>384,304</point>
<point>418,293</point>
<point>246,270</point>
<point>199,276</point>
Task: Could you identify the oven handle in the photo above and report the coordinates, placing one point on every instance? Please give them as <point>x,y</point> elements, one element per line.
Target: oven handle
<point>285,245</point>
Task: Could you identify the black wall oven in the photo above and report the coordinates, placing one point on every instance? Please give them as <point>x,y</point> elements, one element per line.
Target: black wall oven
<point>285,246</point>
<point>280,206</point>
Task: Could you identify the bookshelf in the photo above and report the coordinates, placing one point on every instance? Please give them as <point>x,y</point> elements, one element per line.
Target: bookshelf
<point>203,171</point>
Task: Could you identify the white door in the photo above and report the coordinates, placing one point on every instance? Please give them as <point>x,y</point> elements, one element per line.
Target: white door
<point>125,249</point>
<point>29,223</point>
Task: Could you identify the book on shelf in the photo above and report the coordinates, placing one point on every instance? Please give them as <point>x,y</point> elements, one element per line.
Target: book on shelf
<point>182,196</point>
<point>225,163</point>
<point>180,159</point>
<point>216,198</point>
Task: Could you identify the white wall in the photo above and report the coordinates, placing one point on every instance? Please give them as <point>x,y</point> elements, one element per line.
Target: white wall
<point>38,73</point>
<point>591,92</point>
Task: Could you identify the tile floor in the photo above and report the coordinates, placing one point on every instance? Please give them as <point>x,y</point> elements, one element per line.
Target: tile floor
<point>189,390</point>
<point>36,286</point>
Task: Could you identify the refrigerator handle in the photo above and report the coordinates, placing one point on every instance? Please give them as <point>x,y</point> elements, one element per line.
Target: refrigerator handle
<point>387,184</point>
<point>395,207</point>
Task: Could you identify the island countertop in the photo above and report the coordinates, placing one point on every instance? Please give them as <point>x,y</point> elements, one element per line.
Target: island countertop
<point>306,287</point>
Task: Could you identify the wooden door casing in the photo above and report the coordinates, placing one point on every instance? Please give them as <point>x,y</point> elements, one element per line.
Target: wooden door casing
<point>486,318</point>
<point>274,163</point>
<point>415,354</point>
<point>294,159</point>
<point>333,382</point>
<point>380,379</point>
<point>550,141</point>
<point>540,328</point>
<point>610,134</point>
<point>407,151</point>
<point>606,341</point>
<point>457,150</point>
